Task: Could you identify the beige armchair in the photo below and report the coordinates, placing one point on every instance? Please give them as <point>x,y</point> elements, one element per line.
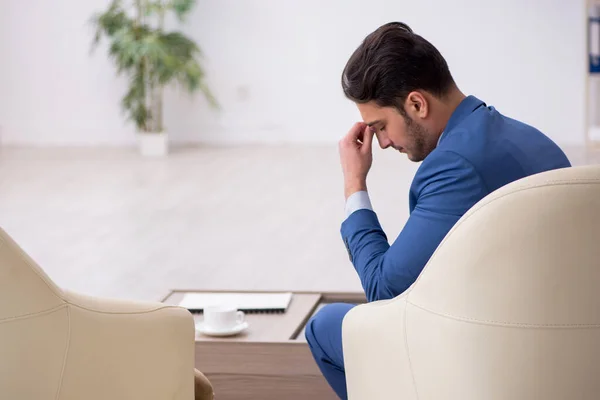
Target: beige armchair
<point>508,307</point>
<point>58,345</point>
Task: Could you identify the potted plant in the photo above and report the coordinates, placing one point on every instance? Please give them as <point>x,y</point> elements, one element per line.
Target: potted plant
<point>151,58</point>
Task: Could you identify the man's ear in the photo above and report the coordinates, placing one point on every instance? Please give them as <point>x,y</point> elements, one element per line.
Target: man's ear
<point>416,105</point>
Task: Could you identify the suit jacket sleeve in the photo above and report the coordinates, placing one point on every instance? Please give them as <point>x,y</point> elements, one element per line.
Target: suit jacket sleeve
<point>445,187</point>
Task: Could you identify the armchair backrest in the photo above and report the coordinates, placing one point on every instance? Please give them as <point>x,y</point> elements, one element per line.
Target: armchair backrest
<point>34,324</point>
<point>509,304</point>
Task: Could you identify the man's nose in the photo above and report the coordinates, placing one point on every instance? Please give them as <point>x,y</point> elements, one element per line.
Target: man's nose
<point>384,141</point>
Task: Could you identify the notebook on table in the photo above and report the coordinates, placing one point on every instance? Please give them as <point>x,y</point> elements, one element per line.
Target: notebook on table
<point>248,302</point>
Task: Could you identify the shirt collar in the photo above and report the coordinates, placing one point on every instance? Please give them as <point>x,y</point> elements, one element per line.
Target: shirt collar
<point>465,108</point>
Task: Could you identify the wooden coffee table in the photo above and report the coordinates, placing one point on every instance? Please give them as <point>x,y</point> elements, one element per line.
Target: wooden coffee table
<point>271,360</point>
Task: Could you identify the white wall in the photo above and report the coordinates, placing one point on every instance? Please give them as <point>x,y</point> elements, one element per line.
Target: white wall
<point>51,90</point>
<point>275,67</point>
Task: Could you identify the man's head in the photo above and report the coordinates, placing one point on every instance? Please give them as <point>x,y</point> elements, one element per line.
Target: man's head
<point>402,87</point>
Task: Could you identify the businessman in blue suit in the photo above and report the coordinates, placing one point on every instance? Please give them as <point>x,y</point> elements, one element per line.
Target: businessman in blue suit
<point>409,101</point>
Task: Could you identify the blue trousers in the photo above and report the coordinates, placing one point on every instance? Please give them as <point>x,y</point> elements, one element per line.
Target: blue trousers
<point>324,337</point>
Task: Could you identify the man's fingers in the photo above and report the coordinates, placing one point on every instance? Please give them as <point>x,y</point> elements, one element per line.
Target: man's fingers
<point>367,140</point>
<point>355,133</point>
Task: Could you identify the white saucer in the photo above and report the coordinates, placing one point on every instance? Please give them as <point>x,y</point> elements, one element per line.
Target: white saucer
<point>207,330</point>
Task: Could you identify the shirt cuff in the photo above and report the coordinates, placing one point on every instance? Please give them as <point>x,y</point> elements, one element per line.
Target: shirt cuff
<point>358,201</point>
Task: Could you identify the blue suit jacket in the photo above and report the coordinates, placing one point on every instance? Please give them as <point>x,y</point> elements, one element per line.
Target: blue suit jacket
<point>479,151</point>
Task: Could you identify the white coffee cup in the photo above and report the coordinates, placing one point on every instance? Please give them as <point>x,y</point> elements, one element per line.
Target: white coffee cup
<point>222,317</point>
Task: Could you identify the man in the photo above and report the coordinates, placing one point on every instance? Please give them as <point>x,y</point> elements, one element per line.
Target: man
<point>408,99</point>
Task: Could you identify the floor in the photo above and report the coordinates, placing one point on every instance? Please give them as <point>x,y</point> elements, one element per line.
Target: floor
<point>107,222</point>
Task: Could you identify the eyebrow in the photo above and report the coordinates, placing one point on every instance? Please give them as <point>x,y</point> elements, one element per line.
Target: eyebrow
<point>374,122</point>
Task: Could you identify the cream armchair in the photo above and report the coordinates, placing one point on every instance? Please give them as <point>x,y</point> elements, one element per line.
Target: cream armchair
<point>508,306</point>
<point>58,345</point>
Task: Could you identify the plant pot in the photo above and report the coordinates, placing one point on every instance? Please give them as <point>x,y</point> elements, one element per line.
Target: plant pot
<point>153,144</point>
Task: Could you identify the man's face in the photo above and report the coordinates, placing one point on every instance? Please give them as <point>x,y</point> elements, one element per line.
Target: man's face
<point>397,131</point>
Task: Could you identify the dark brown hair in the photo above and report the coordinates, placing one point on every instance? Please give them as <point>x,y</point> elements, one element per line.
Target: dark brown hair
<point>390,63</point>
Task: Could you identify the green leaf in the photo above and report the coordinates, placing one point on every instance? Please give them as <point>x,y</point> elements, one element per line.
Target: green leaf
<point>125,50</point>
<point>141,116</point>
<point>169,54</point>
<point>191,75</point>
<point>110,22</point>
<point>182,8</point>
<point>113,19</point>
<point>134,101</point>
<point>179,45</point>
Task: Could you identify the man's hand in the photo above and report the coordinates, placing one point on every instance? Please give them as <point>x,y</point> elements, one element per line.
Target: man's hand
<point>356,157</point>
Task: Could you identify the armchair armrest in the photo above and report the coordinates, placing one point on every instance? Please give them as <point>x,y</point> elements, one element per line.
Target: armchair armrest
<point>128,350</point>
<point>376,360</point>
